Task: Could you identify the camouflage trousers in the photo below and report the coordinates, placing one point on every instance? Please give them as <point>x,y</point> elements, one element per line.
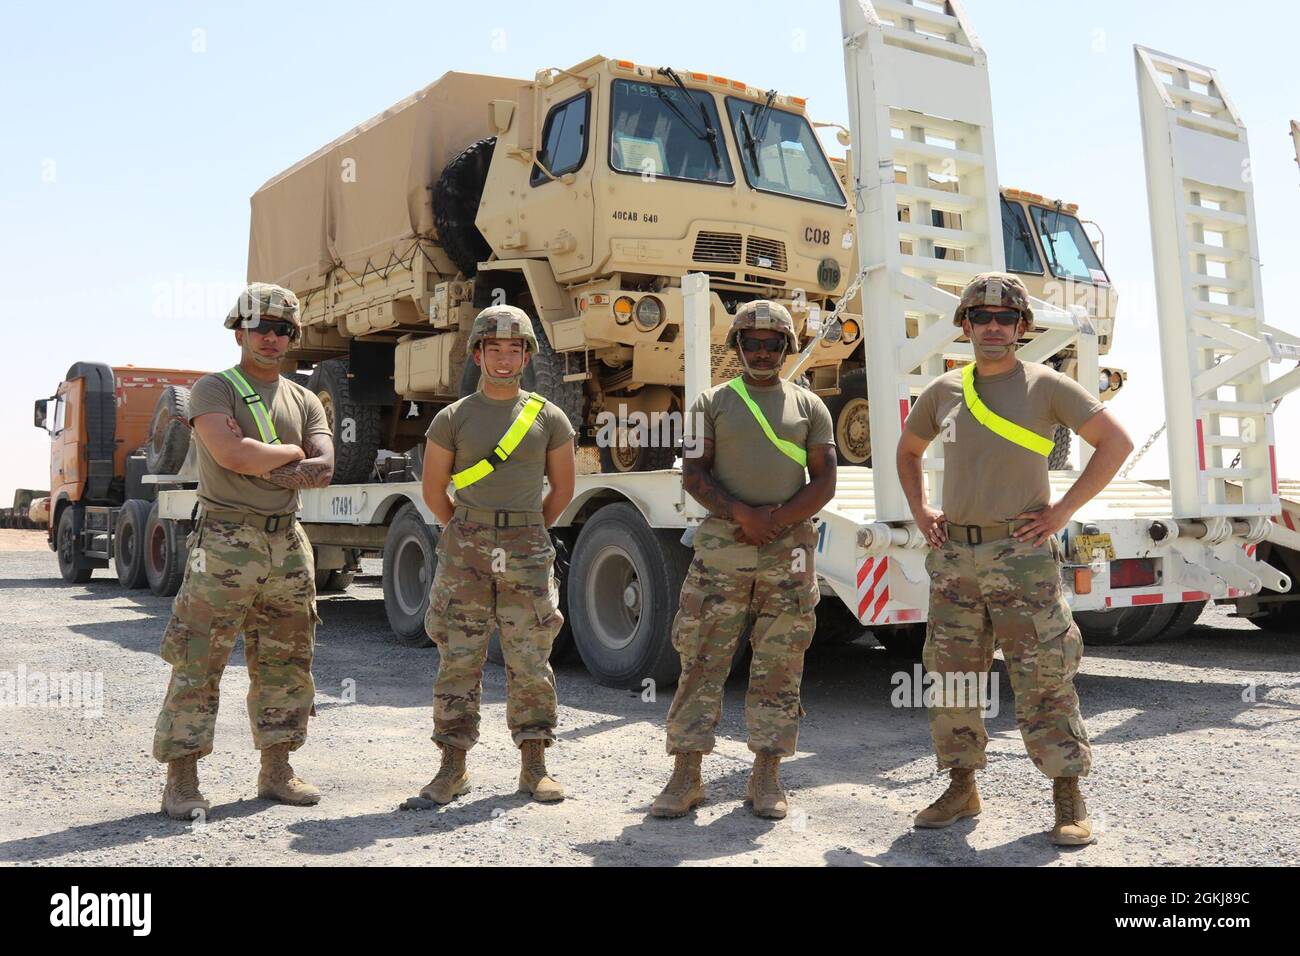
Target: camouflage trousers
<point>240,578</point>
<point>1009,593</point>
<point>485,575</point>
<point>731,587</point>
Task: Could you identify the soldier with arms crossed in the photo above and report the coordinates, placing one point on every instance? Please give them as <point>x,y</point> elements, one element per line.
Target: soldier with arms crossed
<point>250,564</point>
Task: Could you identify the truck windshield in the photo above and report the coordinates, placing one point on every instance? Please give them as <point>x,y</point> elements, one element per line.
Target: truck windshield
<point>658,129</point>
<point>786,157</point>
<point>1067,247</point>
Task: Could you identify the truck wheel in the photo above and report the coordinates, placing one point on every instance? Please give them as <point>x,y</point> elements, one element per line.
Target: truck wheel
<point>456,197</point>
<point>1184,619</point>
<point>624,585</point>
<point>333,580</point>
<point>836,624</point>
<point>1124,625</point>
<point>72,564</point>
<point>410,560</point>
<point>622,459</point>
<point>1059,459</point>
<point>164,553</point>
<point>128,544</point>
<point>356,426</point>
<point>851,414</point>
<point>169,432</point>
<point>903,640</point>
<point>563,643</point>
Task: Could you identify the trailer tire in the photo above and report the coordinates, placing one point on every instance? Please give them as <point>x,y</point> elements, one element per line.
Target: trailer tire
<point>129,544</point>
<point>355,444</point>
<point>169,432</point>
<point>73,565</point>
<point>619,558</point>
<point>1184,619</point>
<point>851,417</point>
<point>164,553</point>
<point>1059,459</point>
<point>1124,625</point>
<point>456,198</point>
<point>410,562</point>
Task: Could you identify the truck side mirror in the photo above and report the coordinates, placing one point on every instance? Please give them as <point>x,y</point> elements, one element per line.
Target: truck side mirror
<point>42,413</point>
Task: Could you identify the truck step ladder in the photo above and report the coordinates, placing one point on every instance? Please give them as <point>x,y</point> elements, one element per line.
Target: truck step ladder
<point>921,121</point>
<point>1215,346</point>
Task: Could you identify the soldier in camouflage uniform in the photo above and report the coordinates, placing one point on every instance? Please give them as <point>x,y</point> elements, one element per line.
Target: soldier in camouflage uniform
<point>994,563</point>
<point>495,557</point>
<point>753,567</point>
<point>250,566</point>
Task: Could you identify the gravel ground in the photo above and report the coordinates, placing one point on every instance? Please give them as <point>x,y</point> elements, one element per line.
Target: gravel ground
<point>1194,745</point>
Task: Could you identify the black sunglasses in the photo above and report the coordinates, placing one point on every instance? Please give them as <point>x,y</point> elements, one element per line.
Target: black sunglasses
<point>752,343</point>
<point>278,326</point>
<point>984,316</point>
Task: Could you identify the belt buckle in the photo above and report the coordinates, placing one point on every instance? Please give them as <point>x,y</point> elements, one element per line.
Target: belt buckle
<point>978,536</point>
<point>273,523</point>
<point>497,516</point>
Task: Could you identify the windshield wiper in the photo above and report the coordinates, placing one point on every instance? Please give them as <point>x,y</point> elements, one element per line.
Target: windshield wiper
<point>709,134</point>
<point>1051,241</point>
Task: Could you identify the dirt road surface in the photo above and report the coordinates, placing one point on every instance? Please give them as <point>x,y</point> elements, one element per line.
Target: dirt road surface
<point>1195,748</point>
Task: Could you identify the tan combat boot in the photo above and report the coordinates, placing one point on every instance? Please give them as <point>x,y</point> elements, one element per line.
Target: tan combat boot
<point>685,789</point>
<point>533,777</point>
<point>277,780</point>
<point>961,799</point>
<point>1073,828</point>
<point>451,780</point>
<point>181,796</point>
<point>765,793</point>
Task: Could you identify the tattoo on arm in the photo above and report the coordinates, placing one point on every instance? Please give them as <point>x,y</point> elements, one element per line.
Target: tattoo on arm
<point>700,484</point>
<point>315,471</point>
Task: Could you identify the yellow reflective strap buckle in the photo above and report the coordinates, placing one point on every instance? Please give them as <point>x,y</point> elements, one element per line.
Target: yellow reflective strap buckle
<point>787,448</point>
<point>1016,434</point>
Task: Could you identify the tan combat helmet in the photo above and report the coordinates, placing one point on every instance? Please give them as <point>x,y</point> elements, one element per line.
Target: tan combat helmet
<point>764,314</point>
<point>502,322</point>
<point>264,299</point>
<point>994,289</point>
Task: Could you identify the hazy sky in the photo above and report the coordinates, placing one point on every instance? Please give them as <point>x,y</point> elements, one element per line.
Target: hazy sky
<point>137,132</point>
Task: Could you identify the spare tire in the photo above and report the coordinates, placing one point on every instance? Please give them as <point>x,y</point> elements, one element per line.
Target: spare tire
<point>169,432</point>
<point>456,198</point>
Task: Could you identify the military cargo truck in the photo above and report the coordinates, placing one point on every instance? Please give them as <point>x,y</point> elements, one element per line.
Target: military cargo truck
<point>582,196</point>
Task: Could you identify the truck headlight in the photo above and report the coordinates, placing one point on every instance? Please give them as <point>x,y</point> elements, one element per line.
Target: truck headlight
<point>649,313</point>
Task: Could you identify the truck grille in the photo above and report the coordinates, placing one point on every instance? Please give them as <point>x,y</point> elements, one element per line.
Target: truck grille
<point>765,253</point>
<point>717,247</point>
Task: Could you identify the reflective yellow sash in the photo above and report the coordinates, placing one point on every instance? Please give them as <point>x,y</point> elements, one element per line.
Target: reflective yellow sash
<point>787,448</point>
<point>995,423</point>
<point>508,443</point>
<point>261,414</point>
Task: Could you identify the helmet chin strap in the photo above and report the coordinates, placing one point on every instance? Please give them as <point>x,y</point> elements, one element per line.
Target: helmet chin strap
<point>503,379</point>
<point>765,374</point>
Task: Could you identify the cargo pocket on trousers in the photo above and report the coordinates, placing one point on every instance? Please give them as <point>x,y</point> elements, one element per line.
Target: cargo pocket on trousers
<point>188,636</point>
<point>1057,658</point>
<point>435,616</point>
<point>687,622</point>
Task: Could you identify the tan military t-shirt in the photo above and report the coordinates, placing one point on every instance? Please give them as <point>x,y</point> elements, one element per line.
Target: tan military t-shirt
<point>295,412</point>
<point>472,427</point>
<point>986,479</point>
<point>745,461</point>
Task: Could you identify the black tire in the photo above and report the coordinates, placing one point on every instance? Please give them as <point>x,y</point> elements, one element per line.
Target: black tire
<point>456,198</point>
<point>904,640</point>
<point>1059,459</point>
<point>1184,619</point>
<point>617,558</point>
<point>73,565</point>
<point>1124,625</point>
<point>562,647</point>
<point>164,553</point>
<point>129,544</point>
<point>410,562</point>
<point>169,432</point>
<point>333,580</point>
<point>629,458</point>
<point>836,624</point>
<point>357,444</point>
<point>851,415</point>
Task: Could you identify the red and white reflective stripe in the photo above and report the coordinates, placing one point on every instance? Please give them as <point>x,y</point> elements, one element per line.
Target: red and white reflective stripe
<point>1249,549</point>
<point>1162,597</point>
<point>870,574</point>
<point>904,406</point>
<point>1200,442</point>
<point>1287,520</point>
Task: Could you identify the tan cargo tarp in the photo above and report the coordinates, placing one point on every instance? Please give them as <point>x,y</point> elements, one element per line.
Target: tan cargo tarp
<point>365,196</point>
